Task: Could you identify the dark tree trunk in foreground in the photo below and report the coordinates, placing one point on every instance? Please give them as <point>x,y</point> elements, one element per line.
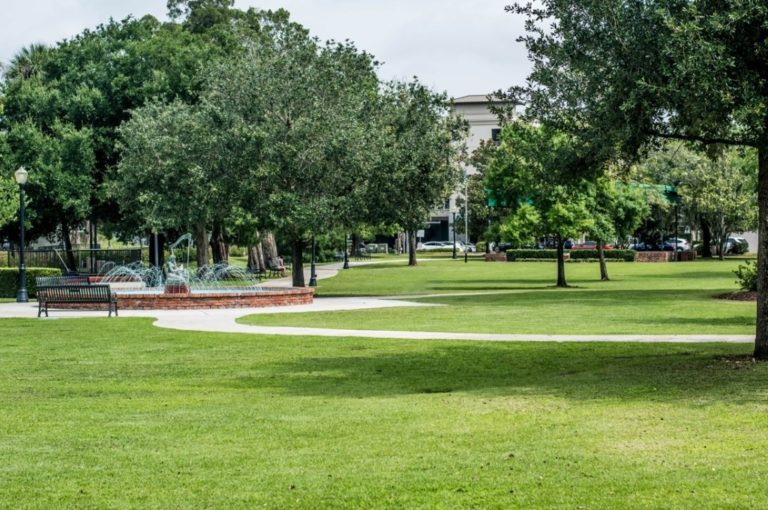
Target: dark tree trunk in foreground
<point>706,235</point>
<point>219,248</point>
<point>298,263</point>
<point>68,253</point>
<point>601,258</point>
<point>411,247</point>
<point>201,245</point>
<point>255,259</point>
<point>561,263</point>
<point>761,337</point>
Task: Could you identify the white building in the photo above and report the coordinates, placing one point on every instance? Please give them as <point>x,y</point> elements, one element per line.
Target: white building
<point>483,125</point>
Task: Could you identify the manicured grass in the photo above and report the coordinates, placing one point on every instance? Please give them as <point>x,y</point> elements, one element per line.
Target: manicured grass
<point>640,298</point>
<point>102,413</point>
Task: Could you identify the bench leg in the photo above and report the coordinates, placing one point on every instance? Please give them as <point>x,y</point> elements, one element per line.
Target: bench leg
<point>39,308</point>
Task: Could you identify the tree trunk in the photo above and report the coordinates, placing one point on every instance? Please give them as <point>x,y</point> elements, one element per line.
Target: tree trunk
<point>601,258</point>
<point>706,234</point>
<point>411,247</point>
<point>268,247</point>
<point>201,245</point>
<point>355,245</point>
<point>561,262</point>
<point>255,259</point>
<point>219,248</point>
<point>68,253</point>
<point>298,263</point>
<point>761,337</point>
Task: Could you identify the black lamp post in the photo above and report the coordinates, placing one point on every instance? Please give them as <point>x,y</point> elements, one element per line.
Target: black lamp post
<point>21,178</point>
<point>346,252</point>
<point>453,226</point>
<point>313,275</point>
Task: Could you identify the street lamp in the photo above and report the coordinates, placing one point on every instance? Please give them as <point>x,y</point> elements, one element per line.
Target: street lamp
<point>346,252</point>
<point>453,227</point>
<point>466,215</point>
<point>312,273</point>
<point>21,178</point>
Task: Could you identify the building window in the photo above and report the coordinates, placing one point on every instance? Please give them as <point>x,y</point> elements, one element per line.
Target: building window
<point>447,203</point>
<point>496,134</point>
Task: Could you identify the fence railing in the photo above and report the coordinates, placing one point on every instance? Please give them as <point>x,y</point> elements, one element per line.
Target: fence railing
<point>84,261</point>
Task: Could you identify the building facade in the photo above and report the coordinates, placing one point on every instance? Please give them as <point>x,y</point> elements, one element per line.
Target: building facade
<point>483,125</point>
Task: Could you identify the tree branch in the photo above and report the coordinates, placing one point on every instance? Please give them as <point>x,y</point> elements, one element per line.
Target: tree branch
<point>702,139</point>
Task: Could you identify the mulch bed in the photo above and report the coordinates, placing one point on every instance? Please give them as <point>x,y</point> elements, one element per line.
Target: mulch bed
<point>739,295</point>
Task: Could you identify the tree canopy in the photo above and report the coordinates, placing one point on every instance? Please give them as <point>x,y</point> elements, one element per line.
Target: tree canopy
<point>626,74</point>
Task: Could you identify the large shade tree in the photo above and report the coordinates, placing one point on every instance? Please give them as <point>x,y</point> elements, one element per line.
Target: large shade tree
<point>311,105</point>
<point>627,73</point>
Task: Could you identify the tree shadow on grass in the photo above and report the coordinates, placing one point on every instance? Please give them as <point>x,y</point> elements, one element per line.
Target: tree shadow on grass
<point>700,374</point>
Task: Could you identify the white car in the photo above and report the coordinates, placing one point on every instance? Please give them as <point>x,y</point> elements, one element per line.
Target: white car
<point>679,244</point>
<point>434,245</point>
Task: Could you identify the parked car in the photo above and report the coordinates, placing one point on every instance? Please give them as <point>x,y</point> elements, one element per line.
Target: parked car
<point>678,244</point>
<point>736,246</point>
<point>433,245</point>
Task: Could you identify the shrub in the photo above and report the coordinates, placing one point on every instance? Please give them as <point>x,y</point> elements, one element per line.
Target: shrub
<point>237,251</point>
<point>746,276</point>
<point>480,245</point>
<point>9,279</point>
<point>625,255</point>
<point>514,255</point>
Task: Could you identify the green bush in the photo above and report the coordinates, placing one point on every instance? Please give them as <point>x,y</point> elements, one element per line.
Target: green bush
<point>237,251</point>
<point>514,255</point>
<point>625,255</point>
<point>746,276</point>
<point>480,245</point>
<point>9,279</point>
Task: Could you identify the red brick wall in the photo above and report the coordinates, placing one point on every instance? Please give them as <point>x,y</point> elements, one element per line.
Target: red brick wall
<point>655,256</point>
<point>204,301</point>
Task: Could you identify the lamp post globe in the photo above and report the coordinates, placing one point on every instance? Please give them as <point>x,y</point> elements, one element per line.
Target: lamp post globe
<point>21,179</point>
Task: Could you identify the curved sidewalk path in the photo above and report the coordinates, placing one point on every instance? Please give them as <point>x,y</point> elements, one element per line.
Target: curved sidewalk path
<point>225,320</point>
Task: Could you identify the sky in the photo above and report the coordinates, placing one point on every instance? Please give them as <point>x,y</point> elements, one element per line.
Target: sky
<point>458,46</point>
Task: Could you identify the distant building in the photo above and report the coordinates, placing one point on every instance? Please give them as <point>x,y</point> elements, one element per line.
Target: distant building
<point>483,125</point>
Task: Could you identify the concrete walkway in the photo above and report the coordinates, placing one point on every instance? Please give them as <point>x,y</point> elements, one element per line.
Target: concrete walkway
<point>224,321</point>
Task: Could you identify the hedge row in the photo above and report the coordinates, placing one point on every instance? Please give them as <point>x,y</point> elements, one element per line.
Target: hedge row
<point>625,255</point>
<point>9,279</point>
<point>519,255</point>
<point>514,255</point>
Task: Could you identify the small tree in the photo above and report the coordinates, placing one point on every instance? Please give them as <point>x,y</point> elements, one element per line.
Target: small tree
<point>418,165</point>
<point>541,167</point>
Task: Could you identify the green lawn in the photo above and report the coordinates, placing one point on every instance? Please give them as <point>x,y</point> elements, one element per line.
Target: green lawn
<point>100,413</point>
<point>640,298</point>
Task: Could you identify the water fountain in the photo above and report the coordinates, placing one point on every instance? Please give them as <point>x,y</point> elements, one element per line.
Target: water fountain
<point>143,287</point>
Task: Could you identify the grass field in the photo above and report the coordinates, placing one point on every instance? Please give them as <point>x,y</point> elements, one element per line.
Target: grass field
<point>102,413</point>
<point>640,298</point>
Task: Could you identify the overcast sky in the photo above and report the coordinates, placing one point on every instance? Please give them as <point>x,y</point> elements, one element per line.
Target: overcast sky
<point>460,46</point>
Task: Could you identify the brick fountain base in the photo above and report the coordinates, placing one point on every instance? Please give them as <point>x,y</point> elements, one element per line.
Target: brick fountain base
<point>205,300</point>
<point>179,297</point>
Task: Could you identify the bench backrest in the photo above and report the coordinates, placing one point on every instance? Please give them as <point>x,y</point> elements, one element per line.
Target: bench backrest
<point>55,281</point>
<point>75,293</point>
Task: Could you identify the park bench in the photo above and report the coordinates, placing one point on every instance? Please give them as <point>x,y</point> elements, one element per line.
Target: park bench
<point>75,295</point>
<point>55,281</point>
<point>274,270</point>
<point>362,254</point>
